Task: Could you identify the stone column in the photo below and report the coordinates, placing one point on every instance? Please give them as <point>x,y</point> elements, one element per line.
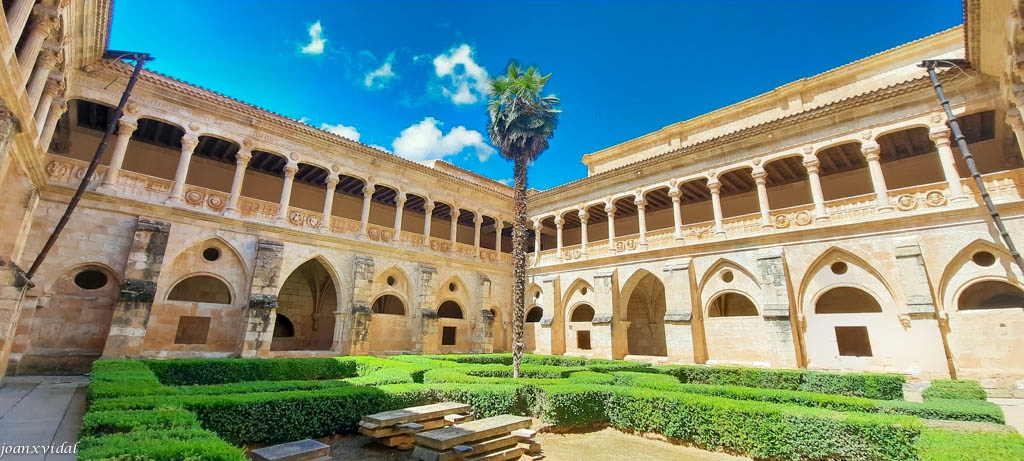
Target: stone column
<point>57,109</point>
<point>286,192</point>
<point>12,281</point>
<point>677,217</point>
<point>609,209</point>
<point>761,180</point>
<point>125,128</point>
<point>241,163</point>
<point>478,219</point>
<point>51,90</point>
<point>261,314</point>
<point>584,216</point>
<point>940,136</point>
<point>716,204</point>
<point>138,291</point>
<point>17,17</point>
<point>332,185</point>
<point>499,224</point>
<point>428,341</point>
<point>358,339</point>
<point>536,238</point>
<point>913,277</point>
<point>811,163</point>
<point>9,127</point>
<point>46,62</point>
<point>454,229</point>
<point>558,236</point>
<point>607,334</point>
<point>1016,121</point>
<point>188,145</point>
<point>364,218</point>
<point>641,206</point>
<point>873,155</point>
<point>679,312</point>
<point>42,26</point>
<point>428,216</point>
<point>399,209</point>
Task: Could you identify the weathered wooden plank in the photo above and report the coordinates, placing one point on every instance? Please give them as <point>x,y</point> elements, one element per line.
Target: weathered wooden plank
<point>395,430</point>
<point>416,414</point>
<point>524,434</point>
<point>459,434</point>
<point>503,455</point>
<point>301,450</point>
<point>457,419</point>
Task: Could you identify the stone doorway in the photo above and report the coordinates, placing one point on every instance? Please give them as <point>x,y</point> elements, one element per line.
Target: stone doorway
<point>308,300</point>
<point>645,313</point>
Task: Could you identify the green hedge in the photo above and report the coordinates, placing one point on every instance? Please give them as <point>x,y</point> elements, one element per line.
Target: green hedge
<point>645,380</point>
<point>954,390</point>
<point>759,430</point>
<point>958,410</point>
<point>183,372</point>
<point>944,445</point>
<point>870,385</point>
<point>590,377</point>
<point>160,445</point>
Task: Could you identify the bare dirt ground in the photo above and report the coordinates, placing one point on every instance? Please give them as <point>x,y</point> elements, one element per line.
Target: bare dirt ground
<point>603,444</point>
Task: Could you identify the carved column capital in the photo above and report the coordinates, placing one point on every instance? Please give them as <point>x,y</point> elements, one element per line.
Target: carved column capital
<point>811,162</point>
<point>1013,118</point>
<point>675,193</point>
<point>610,209</point>
<point>127,126</point>
<point>478,218</point>
<point>43,22</point>
<point>559,222</point>
<point>189,142</point>
<point>759,174</point>
<point>48,59</point>
<point>332,182</point>
<point>583,214</point>
<point>939,135</point>
<point>368,190</point>
<point>871,151</point>
<point>714,185</point>
<point>400,199</point>
<point>53,88</point>
<point>454,214</point>
<point>290,169</point>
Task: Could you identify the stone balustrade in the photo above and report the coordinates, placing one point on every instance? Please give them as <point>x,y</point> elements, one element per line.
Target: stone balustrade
<point>65,172</point>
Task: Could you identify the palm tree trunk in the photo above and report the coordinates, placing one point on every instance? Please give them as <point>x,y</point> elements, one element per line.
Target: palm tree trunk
<point>518,263</point>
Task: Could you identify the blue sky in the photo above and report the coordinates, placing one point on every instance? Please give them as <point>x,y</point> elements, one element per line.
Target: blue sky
<point>408,77</point>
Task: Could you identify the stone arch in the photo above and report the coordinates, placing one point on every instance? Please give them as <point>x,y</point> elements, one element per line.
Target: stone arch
<point>501,330</point>
<point>227,265</point>
<point>283,327</point>
<point>581,312</point>
<point>643,307</point>
<point>459,294</point>
<point>534,295</point>
<point>70,324</point>
<point>716,280</point>
<point>580,322</point>
<point>990,294</point>
<point>400,285</point>
<point>962,270</point>
<point>843,299</point>
<point>731,303</point>
<point>388,304</point>
<point>534,314</point>
<point>309,297</point>
<point>579,291</point>
<point>201,288</point>
<point>871,280</point>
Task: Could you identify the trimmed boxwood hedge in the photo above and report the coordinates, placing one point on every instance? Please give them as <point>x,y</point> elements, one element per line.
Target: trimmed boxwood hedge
<point>870,385</point>
<point>955,390</point>
<point>136,413</point>
<point>944,445</point>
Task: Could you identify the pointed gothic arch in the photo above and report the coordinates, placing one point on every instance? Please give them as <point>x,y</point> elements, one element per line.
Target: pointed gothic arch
<point>309,298</point>
<point>643,306</point>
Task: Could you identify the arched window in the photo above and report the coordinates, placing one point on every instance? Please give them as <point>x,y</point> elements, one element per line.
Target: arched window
<point>535,314</point>
<point>388,304</point>
<point>846,300</point>
<point>991,294</point>
<point>201,289</point>
<point>732,305</point>
<point>283,327</point>
<point>449,310</point>
<point>582,313</point>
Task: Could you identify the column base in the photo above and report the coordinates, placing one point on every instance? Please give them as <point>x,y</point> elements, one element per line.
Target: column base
<point>232,213</point>
<point>720,235</point>
<point>959,199</point>
<point>174,201</point>
<point>886,209</point>
<point>280,221</point>
<point>822,219</point>
<point>643,245</point>
<point>767,227</point>
<point>109,189</point>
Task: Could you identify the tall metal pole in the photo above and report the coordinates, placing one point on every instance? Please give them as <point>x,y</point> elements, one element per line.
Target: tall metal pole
<point>961,142</point>
<point>140,60</point>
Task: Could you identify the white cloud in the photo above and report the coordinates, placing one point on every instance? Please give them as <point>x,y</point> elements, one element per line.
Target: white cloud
<point>425,141</point>
<point>385,149</point>
<point>381,76</point>
<point>349,132</point>
<point>316,40</point>
<point>465,81</point>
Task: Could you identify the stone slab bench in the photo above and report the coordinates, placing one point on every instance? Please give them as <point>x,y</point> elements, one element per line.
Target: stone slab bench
<point>395,428</point>
<point>302,450</point>
<point>490,439</point>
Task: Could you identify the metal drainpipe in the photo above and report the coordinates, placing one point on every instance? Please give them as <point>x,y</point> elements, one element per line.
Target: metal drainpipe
<point>140,60</point>
<point>961,142</point>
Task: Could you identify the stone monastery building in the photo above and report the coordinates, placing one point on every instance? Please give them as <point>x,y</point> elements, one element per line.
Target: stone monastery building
<point>829,223</point>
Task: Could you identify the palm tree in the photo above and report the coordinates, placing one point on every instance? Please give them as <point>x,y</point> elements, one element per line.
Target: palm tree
<point>521,123</point>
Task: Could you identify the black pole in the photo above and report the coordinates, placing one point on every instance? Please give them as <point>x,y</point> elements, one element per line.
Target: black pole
<point>961,142</point>
<point>140,60</point>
